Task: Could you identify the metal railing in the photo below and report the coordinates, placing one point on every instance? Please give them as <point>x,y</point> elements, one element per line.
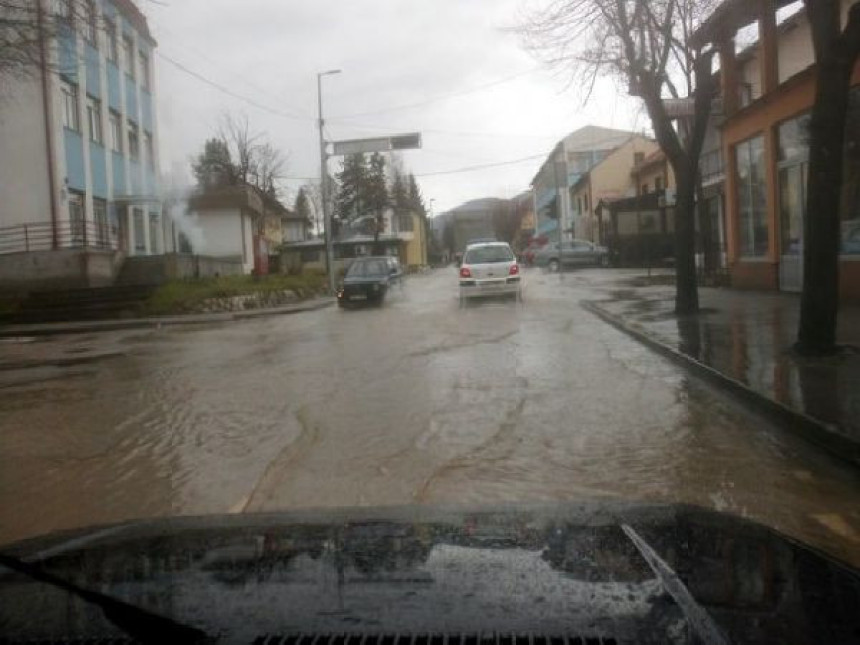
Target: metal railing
<point>44,236</point>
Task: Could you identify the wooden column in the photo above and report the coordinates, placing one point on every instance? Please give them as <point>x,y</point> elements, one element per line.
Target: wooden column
<point>769,56</point>
<point>728,75</point>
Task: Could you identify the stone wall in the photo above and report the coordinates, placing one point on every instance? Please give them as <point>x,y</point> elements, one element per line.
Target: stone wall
<point>257,300</point>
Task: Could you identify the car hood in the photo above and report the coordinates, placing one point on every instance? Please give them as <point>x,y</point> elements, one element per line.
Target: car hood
<point>627,574</point>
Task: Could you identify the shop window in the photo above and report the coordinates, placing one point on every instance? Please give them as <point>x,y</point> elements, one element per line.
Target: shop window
<point>751,197</point>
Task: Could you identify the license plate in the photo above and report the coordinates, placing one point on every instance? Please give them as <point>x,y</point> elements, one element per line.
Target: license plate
<point>358,297</point>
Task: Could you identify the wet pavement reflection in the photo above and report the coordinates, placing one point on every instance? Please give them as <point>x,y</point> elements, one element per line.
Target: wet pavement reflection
<point>749,336</point>
<point>417,402</point>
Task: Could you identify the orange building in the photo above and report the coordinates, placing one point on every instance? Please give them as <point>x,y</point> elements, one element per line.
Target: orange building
<point>768,91</point>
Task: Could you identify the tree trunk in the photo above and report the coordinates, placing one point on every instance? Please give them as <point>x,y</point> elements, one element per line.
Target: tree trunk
<point>686,289</point>
<point>819,301</point>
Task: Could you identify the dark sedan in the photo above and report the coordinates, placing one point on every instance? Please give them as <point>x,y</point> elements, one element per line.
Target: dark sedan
<point>369,280</point>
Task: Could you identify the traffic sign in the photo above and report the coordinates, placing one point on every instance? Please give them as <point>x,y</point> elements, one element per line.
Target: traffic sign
<point>407,141</point>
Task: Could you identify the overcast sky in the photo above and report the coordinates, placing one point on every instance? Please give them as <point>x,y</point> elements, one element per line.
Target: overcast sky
<point>446,68</point>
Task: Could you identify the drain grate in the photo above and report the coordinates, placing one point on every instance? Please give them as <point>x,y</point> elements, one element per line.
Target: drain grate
<point>432,639</point>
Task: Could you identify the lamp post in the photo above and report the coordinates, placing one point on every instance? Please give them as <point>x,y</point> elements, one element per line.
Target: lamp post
<point>329,237</point>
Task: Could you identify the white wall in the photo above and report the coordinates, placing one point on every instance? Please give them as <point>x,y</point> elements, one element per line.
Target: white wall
<point>24,191</point>
<point>795,50</point>
<point>247,231</point>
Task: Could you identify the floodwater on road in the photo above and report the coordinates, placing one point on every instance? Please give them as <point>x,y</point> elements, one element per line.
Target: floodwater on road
<point>416,402</point>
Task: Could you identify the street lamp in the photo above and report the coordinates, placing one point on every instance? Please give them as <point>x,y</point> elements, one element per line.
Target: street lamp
<point>329,241</point>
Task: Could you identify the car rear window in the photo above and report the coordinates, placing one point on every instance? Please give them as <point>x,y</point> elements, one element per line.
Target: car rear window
<point>489,254</point>
<point>364,268</point>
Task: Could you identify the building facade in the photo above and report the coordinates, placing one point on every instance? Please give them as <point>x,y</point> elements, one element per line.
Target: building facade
<point>79,139</point>
<point>569,160</point>
<point>767,94</point>
<point>610,178</point>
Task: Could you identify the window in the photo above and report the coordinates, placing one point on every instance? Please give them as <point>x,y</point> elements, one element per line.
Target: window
<point>101,222</point>
<point>793,136</point>
<point>850,207</point>
<point>148,148</point>
<point>310,256</point>
<point>658,183</point>
<point>752,209</point>
<point>792,153</point>
<point>71,118</point>
<point>154,232</point>
<point>143,61</point>
<point>94,119</point>
<point>76,219</point>
<point>488,254</point>
<point>115,131</point>
<point>63,9</point>
<point>128,55</point>
<point>638,157</point>
<point>91,17</point>
<point>711,164</point>
<point>139,230</point>
<point>133,141</point>
<point>110,36</point>
<point>645,188</point>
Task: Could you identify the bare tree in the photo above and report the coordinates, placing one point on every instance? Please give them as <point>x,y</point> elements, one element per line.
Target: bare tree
<point>648,45</point>
<point>29,30</point>
<point>268,169</point>
<point>239,156</point>
<point>837,51</point>
<point>235,130</point>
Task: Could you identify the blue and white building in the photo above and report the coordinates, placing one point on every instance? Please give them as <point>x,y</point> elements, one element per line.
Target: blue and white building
<point>79,138</point>
<point>570,159</point>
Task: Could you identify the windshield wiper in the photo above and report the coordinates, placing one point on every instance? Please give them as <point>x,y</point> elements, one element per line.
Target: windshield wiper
<point>138,623</point>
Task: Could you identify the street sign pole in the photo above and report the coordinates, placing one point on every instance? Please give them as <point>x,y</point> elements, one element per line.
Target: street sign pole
<point>329,234</point>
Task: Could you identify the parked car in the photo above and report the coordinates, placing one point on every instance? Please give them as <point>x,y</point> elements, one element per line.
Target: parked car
<point>572,253</point>
<point>480,240</point>
<point>369,280</point>
<point>489,269</point>
<point>534,246</point>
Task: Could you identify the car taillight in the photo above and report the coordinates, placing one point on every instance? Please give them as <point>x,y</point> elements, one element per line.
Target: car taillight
<point>465,272</point>
<point>515,270</point>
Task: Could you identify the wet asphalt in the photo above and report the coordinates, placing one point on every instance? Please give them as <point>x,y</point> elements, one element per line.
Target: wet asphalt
<point>415,402</point>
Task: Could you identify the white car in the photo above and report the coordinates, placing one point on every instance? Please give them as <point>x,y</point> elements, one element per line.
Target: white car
<point>489,269</point>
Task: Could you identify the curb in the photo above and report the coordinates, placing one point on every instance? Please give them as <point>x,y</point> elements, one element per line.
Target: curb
<point>86,327</point>
<point>799,423</point>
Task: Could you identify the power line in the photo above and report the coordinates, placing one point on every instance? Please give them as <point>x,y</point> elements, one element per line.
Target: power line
<point>193,50</point>
<point>483,166</point>
<point>443,97</point>
<point>364,127</point>
<point>230,92</point>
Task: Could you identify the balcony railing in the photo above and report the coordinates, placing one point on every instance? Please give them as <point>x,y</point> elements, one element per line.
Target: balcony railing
<point>42,236</point>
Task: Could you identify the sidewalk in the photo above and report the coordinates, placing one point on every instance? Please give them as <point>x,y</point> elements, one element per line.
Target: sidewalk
<point>744,339</point>
<point>88,326</point>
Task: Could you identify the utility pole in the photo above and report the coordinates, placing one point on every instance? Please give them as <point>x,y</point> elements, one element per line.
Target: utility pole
<point>559,215</point>
<point>329,234</point>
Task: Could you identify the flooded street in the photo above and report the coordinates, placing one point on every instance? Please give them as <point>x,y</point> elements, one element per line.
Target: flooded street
<point>417,402</point>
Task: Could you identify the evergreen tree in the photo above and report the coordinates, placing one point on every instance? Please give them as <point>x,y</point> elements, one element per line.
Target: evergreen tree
<point>416,200</point>
<point>376,195</point>
<point>351,192</point>
<point>302,205</point>
<point>214,166</point>
<point>400,202</point>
